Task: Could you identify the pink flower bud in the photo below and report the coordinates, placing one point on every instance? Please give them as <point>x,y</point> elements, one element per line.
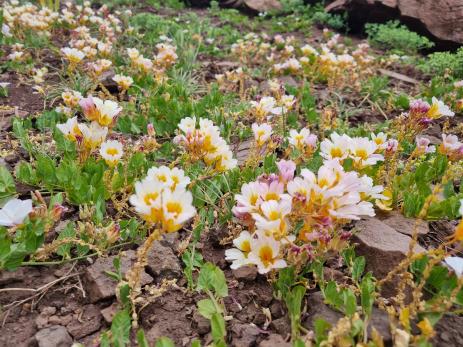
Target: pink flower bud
<point>150,130</point>
<point>286,169</point>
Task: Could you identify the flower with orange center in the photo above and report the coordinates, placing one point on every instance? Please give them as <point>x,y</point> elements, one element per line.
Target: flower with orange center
<point>111,152</point>
<point>265,253</point>
<point>239,255</point>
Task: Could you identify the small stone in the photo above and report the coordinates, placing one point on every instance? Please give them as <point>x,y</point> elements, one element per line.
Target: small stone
<point>54,336</point>
<point>276,309</point>
<point>245,335</point>
<point>245,273</point>
<point>274,340</point>
<point>86,323</point>
<point>445,336</point>
<point>162,261</point>
<point>109,312</point>
<point>48,310</point>
<point>99,285</point>
<point>203,326</point>
<point>41,321</point>
<point>282,326</point>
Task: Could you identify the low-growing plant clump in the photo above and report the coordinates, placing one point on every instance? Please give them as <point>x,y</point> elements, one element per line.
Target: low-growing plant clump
<point>181,177</point>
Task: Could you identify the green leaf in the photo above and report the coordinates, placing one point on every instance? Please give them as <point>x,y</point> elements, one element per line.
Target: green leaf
<point>212,278</point>
<point>7,186</point>
<point>207,308</point>
<point>104,340</point>
<point>367,288</point>
<point>332,296</point>
<point>218,330</point>
<point>350,302</point>
<point>164,342</point>
<point>357,268</point>
<point>120,328</point>
<point>141,339</point>
<point>196,343</point>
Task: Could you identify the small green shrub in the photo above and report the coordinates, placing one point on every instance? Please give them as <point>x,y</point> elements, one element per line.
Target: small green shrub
<point>335,21</point>
<point>440,62</point>
<point>393,35</point>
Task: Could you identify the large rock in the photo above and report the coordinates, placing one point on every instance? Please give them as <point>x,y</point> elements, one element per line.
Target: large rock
<point>97,282</point>
<point>442,19</point>
<point>55,336</point>
<point>400,223</point>
<point>382,246</point>
<point>262,5</point>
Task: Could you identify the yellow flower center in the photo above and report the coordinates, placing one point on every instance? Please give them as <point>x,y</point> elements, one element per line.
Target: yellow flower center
<point>174,207</point>
<point>271,196</point>
<point>253,199</point>
<point>362,153</point>
<point>336,152</point>
<point>245,246</point>
<point>266,255</point>
<point>274,215</point>
<point>150,198</point>
<point>112,151</point>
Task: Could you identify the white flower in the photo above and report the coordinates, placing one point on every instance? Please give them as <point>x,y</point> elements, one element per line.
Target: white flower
<point>309,50</point>
<point>439,109</point>
<point>15,56</point>
<point>70,129</point>
<point>172,178</point>
<point>461,208</point>
<point>336,148</point>
<point>456,263</point>
<point>111,151</point>
<point>74,55</point>
<point>451,142</point>
<point>124,82</point>
<point>6,30</point>
<point>262,133</point>
<point>93,135</point>
<point>177,208</point>
<point>239,255</point>
<point>302,139</point>
<point>380,139</point>
<point>363,151</point>
<point>14,212</point>
<point>265,253</point>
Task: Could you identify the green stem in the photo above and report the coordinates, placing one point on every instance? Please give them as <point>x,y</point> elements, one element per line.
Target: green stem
<point>64,261</point>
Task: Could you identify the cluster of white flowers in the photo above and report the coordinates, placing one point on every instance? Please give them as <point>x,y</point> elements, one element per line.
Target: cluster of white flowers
<point>162,199</point>
<point>363,151</point>
<point>268,106</point>
<point>205,143</point>
<point>322,201</point>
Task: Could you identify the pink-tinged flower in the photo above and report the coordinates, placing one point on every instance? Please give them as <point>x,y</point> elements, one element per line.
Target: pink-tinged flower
<point>422,145</point>
<point>89,108</point>
<point>451,143</point>
<point>150,130</point>
<point>419,106</point>
<point>57,211</point>
<point>392,145</point>
<point>286,169</point>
